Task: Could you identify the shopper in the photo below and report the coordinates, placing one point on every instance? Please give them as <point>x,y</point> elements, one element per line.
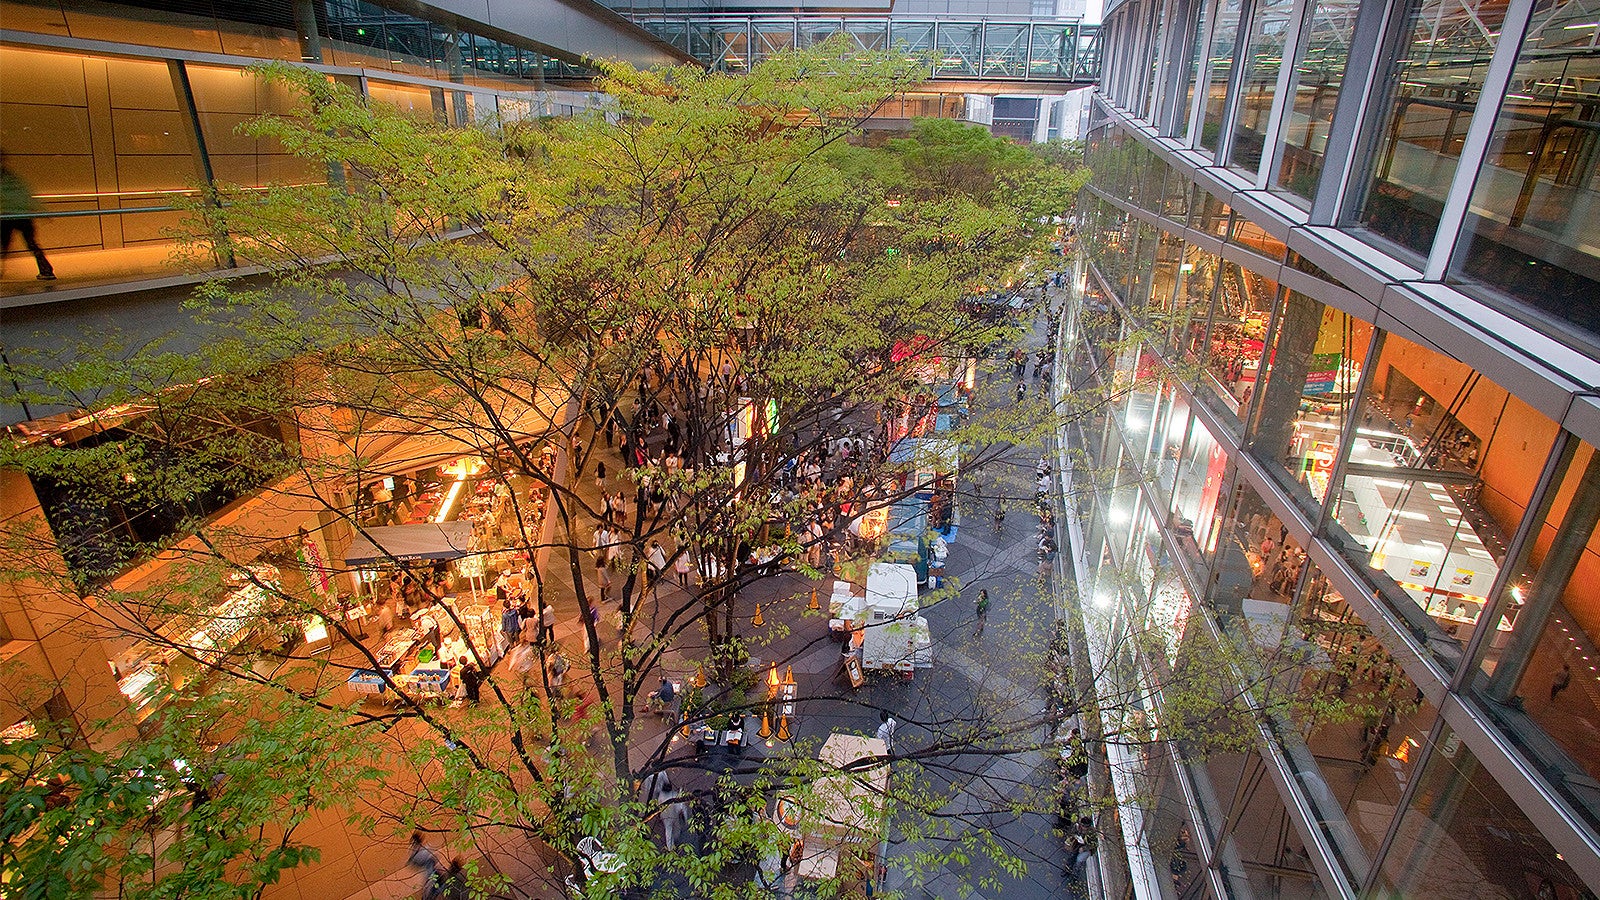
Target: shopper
<point>681,566</point>
<point>1562,681</point>
<point>471,679</point>
<point>656,559</point>
<point>547,622</point>
<point>510,622</point>
<point>602,577</point>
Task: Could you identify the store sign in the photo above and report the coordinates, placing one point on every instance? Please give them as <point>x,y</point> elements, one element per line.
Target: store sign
<point>316,570</point>
<point>1324,373</point>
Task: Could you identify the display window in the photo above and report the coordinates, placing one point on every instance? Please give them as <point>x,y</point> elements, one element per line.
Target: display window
<point>1441,469</point>
<point>1539,669</point>
<point>1308,392</point>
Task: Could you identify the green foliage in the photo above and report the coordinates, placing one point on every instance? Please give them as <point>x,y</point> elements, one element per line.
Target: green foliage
<point>205,804</point>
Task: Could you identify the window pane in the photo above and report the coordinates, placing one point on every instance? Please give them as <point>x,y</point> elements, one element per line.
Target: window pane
<point>1441,471</point>
<point>1541,678</point>
<point>1308,392</point>
<point>1352,764</point>
<point>1196,510</point>
<point>1463,837</point>
<point>1234,344</point>
<point>1221,67</point>
<point>1268,29</point>
<point>1436,79</point>
<point>1318,75</point>
<point>1533,227</point>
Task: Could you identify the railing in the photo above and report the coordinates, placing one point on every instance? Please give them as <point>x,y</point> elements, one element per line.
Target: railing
<point>1047,50</point>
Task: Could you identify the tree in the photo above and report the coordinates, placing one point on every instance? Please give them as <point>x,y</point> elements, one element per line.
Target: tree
<point>718,249</point>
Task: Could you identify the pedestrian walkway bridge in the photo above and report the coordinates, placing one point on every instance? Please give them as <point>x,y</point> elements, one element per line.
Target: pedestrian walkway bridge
<point>1045,51</point>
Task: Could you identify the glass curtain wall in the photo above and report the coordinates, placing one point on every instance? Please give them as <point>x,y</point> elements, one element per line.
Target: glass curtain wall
<point>1443,465</point>
<point>1533,226</point>
<point>1461,836</point>
<point>1434,84</point>
<point>1219,68</point>
<point>1308,393</point>
<point>1258,86</point>
<point>1314,89</point>
<point>1539,670</point>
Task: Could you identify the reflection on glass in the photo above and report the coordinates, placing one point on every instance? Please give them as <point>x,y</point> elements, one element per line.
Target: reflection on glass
<point>1238,329</point>
<point>1533,227</point>
<point>1308,392</point>
<point>1437,76</point>
<point>1210,214</point>
<point>1462,836</point>
<point>1318,75</point>
<point>1196,510</point>
<point>1185,323</point>
<point>1542,676</point>
<point>1269,26</point>
<point>1219,68</point>
<point>227,98</point>
<point>1248,234</point>
<point>1441,470</point>
<point>1357,740</point>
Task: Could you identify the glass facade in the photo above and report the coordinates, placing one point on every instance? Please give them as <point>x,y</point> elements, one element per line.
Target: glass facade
<point>1388,480</point>
<point>1434,82</point>
<point>107,144</point>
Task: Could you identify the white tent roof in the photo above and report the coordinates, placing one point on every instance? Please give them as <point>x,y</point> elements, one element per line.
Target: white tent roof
<point>409,543</point>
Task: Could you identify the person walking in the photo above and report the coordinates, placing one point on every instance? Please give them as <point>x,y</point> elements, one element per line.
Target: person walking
<point>1562,681</point>
<point>681,566</point>
<point>983,612</point>
<point>16,199</point>
<point>547,622</point>
<point>602,576</point>
<point>600,476</point>
<point>510,622</point>
<point>577,456</point>
<point>656,559</point>
<point>422,858</point>
<point>1022,392</point>
<point>886,729</point>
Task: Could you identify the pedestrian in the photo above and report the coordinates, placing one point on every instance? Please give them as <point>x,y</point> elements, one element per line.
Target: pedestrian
<point>656,559</point>
<point>600,476</point>
<point>1088,843</point>
<point>577,456</point>
<point>510,622</point>
<point>471,679</point>
<point>602,576</point>
<point>547,622</point>
<point>886,727</point>
<point>983,612</point>
<point>17,200</point>
<point>1562,681</point>
<point>681,566</point>
<point>424,860</point>
<point>1022,391</point>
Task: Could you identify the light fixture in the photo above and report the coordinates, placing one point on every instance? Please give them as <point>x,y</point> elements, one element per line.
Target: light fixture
<point>756,619</point>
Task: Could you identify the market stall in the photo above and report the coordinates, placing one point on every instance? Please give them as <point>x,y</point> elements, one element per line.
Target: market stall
<point>894,637</point>
<point>839,824</point>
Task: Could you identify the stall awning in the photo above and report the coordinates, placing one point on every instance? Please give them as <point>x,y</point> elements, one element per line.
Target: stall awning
<point>409,543</point>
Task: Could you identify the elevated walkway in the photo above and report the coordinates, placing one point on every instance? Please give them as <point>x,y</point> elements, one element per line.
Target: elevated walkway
<point>1043,52</point>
